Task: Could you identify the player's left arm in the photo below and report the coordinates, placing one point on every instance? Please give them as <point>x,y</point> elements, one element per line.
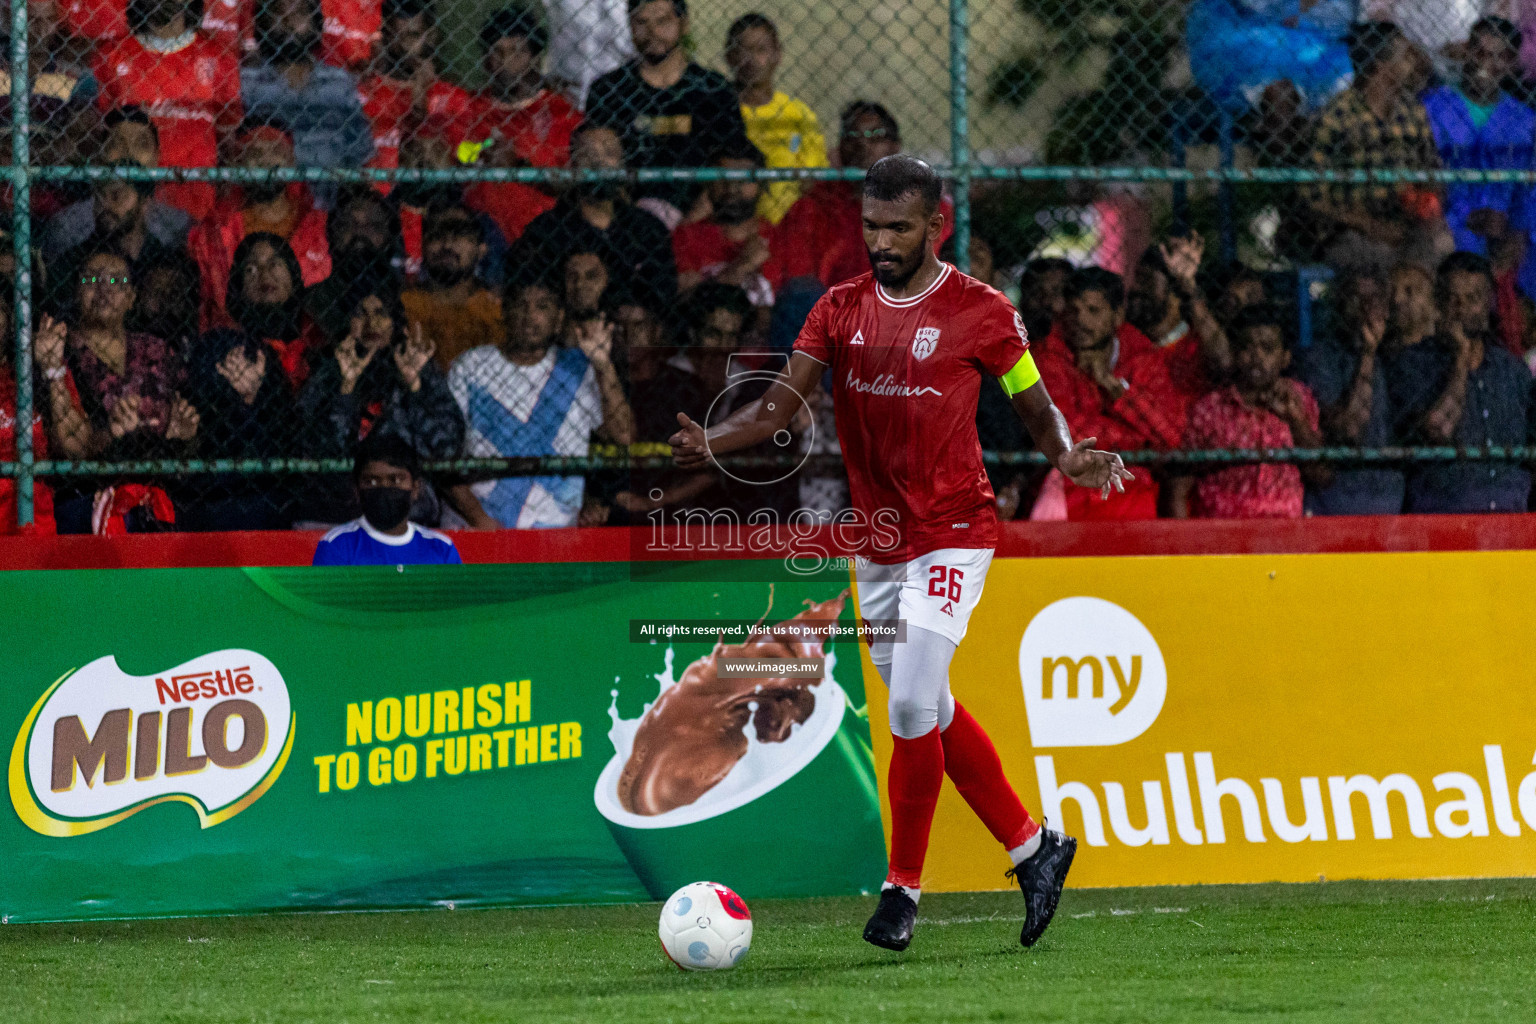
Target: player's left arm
<point>1079,462</point>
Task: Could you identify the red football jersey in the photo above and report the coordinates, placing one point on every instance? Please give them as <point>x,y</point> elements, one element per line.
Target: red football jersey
<point>189,94</point>
<point>906,375</point>
<point>387,104</point>
<point>351,30</point>
<point>539,130</point>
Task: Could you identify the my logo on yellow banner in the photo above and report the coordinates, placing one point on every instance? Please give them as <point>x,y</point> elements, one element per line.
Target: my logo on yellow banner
<point>1093,675</point>
<point>101,745</point>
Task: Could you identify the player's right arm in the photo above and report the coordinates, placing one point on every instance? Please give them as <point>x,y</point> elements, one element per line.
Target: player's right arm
<point>1079,462</point>
<point>752,424</point>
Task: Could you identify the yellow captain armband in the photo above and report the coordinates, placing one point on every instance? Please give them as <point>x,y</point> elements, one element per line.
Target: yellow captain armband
<point>1023,375</point>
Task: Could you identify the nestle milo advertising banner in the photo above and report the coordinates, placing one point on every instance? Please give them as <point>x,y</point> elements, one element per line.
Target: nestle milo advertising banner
<point>1255,718</point>
<point>223,741</point>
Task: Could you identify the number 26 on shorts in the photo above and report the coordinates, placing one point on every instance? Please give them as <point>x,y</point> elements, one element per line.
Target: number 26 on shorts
<point>936,579</point>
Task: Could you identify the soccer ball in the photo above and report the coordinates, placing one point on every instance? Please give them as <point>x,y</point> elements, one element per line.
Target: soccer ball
<point>705,927</point>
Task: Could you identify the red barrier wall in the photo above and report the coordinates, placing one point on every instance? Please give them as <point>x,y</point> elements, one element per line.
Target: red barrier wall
<point>1019,540</point>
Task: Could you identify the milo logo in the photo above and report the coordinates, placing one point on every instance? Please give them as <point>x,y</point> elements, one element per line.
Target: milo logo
<point>100,745</point>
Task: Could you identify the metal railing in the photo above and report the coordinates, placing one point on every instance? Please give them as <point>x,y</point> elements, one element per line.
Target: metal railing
<point>962,170</point>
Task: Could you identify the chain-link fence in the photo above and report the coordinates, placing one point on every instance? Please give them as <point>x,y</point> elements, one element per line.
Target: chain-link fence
<point>516,240</point>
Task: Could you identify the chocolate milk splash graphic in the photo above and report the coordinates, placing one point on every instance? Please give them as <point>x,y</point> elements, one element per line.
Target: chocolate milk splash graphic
<point>695,733</point>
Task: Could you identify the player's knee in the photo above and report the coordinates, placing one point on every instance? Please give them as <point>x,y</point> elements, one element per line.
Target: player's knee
<point>912,718</point>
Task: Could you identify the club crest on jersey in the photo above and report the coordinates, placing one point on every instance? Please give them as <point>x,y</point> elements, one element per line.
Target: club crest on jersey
<point>925,342</point>
<point>207,70</point>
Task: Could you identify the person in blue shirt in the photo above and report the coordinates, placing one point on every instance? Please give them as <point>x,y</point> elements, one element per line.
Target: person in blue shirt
<point>387,472</point>
<point>1478,126</point>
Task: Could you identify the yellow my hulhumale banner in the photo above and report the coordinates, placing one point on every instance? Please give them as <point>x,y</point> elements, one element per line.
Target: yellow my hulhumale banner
<point>1254,718</point>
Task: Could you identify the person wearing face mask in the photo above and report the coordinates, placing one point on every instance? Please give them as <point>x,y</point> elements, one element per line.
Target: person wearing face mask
<point>284,210</point>
<point>450,303</point>
<point>316,102</point>
<point>597,216</point>
<point>376,378</point>
<point>732,246</point>
<point>386,476</point>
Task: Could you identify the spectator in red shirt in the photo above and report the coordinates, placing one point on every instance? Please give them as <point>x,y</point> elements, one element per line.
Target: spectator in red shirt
<point>1043,294</point>
<point>526,121</point>
<point>1122,398</point>
<point>190,85</point>
<point>404,86</point>
<point>1259,409</point>
<point>285,210</point>
<point>822,236</point>
<point>1166,305</point>
<point>59,425</point>
<point>733,245</point>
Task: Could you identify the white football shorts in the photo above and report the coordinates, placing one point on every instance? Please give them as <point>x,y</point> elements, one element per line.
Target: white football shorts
<point>937,591</point>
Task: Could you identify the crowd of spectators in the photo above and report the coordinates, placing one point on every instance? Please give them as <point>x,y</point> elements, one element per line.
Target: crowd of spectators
<point>497,320</point>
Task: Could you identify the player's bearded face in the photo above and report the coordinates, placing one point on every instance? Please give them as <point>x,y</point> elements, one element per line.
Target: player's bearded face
<point>895,259</point>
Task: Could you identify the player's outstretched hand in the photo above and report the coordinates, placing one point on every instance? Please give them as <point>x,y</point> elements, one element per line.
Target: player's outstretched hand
<point>1086,466</point>
<point>688,448</point>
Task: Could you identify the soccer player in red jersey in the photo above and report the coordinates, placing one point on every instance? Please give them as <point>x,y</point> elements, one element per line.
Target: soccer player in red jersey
<point>189,85</point>
<point>404,85</point>
<point>908,347</point>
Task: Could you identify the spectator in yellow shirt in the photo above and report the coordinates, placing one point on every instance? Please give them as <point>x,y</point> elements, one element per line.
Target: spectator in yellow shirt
<point>785,129</point>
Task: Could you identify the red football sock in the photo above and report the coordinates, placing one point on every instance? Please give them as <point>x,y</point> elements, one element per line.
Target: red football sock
<point>977,772</point>
<point>917,773</point>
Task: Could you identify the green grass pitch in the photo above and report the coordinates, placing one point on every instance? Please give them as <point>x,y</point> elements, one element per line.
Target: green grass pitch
<point>1329,953</point>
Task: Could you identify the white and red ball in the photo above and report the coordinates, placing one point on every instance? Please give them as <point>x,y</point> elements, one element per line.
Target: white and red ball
<point>705,927</point>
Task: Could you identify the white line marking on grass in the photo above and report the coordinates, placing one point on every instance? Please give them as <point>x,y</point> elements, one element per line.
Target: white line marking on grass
<point>376,981</point>
<point>1170,910</point>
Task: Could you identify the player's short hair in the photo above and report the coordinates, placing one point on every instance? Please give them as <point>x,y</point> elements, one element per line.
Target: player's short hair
<point>515,22</point>
<point>1250,318</point>
<point>1369,42</point>
<point>405,10</point>
<point>388,448</point>
<point>1501,29</point>
<point>899,175</point>
<point>858,108</point>
<point>1461,263</point>
<point>747,22</point>
<point>1097,279</point>
<point>131,113</point>
<point>680,6</point>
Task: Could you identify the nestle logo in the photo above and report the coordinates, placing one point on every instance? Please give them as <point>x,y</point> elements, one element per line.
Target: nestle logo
<point>205,685</point>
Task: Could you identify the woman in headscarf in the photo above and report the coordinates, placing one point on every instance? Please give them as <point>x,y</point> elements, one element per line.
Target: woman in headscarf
<point>242,391</point>
<point>377,377</point>
<point>266,298</point>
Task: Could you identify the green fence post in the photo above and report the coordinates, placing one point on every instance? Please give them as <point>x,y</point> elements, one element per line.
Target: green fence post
<point>960,128</point>
<point>21,115</point>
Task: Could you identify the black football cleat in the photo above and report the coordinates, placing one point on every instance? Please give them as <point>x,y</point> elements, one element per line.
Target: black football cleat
<point>893,921</point>
<point>1040,878</point>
